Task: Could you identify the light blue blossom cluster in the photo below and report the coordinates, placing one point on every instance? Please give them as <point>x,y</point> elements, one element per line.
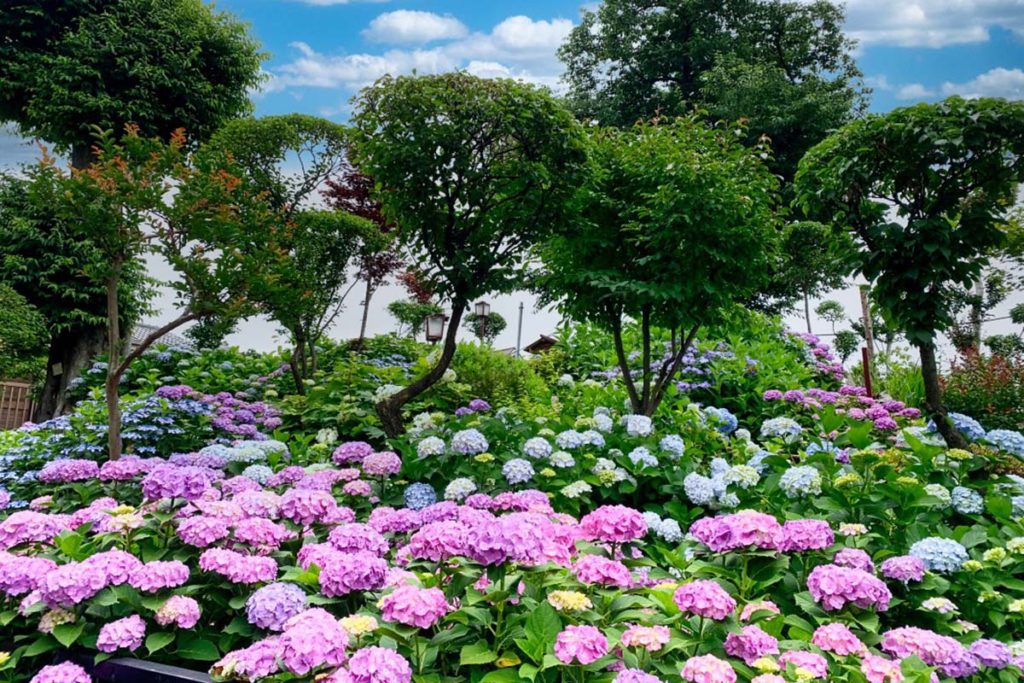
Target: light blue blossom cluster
<point>964,424</point>
<point>603,422</point>
<point>711,491</point>
<point>537,448</point>
<point>666,529</point>
<point>517,471</point>
<point>244,453</point>
<point>562,460</point>
<point>941,492</point>
<point>429,447</point>
<point>419,495</point>
<point>570,439</point>
<point>469,442</point>
<point>673,445</point>
<point>743,476</point>
<point>822,447</point>
<point>967,501</point>
<point>258,473</point>
<point>642,457</point>
<point>721,419</point>
<point>801,481</point>
<point>784,428</point>
<point>458,489</point>
<point>609,472</point>
<point>1007,440</point>
<point>592,437</point>
<point>637,425</point>
<point>943,555</point>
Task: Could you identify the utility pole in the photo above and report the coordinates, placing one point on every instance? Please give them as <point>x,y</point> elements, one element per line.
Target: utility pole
<point>519,332</point>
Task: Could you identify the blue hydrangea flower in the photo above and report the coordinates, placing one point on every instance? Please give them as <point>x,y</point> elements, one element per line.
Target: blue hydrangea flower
<point>728,501</point>
<point>570,439</point>
<point>642,456</point>
<point>698,489</point>
<point>823,447</point>
<point>458,489</point>
<point>743,476</point>
<point>1007,440</point>
<point>939,491</point>
<point>943,555</point>
<point>669,531</point>
<point>537,447</point>
<point>720,418</point>
<point>593,438</point>
<point>637,425</point>
<point>964,424</point>
<point>419,495</point>
<point>430,446</point>
<point>719,466</point>
<point>469,442</point>
<point>562,460</point>
<point>652,520</point>
<point>967,501</point>
<point>258,473</point>
<point>781,428</point>
<point>799,481</point>
<point>517,471</point>
<point>1018,506</point>
<point>673,445</point>
<point>603,422</point>
<point>757,460</point>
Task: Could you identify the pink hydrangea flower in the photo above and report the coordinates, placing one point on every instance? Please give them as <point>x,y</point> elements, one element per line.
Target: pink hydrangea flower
<point>582,644</point>
<point>382,464</point>
<point>809,661</point>
<point>262,534</point>
<point>72,583</point>
<point>179,610</point>
<point>704,598</point>
<point>351,451</point>
<point>708,669</point>
<point>412,606</point>
<point>379,665</point>
<point>439,541</point>
<point>257,661</point>
<point>351,538</point>
<point>905,568</point>
<point>880,670</point>
<point>238,568</point>
<point>305,506</point>
<point>346,573</point>
<point>650,638</point>
<point>743,529</point>
<point>203,531</point>
<point>951,658</point>
<point>806,534</point>
<point>838,639</point>
<point>313,642</point>
<point>833,587</point>
<point>594,569</point>
<point>635,676</point>
<point>20,574</point>
<point>62,673</point>
<point>154,576</point>
<point>762,605</point>
<point>126,633</point>
<point>27,526</point>
<point>613,524</point>
<point>750,644</point>
<point>854,558</point>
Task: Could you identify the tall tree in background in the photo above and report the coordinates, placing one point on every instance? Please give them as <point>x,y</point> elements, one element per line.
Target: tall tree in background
<point>352,192</point>
<point>71,67</point>
<point>474,173</point>
<point>925,191</point>
<point>814,259</point>
<point>784,66</point>
<point>290,158</point>
<point>678,228</point>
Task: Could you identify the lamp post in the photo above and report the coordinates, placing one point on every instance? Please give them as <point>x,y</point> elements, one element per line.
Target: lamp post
<point>482,309</point>
<point>434,325</point>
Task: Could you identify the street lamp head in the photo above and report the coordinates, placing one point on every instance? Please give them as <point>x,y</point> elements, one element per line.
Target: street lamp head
<point>482,309</point>
<point>434,325</point>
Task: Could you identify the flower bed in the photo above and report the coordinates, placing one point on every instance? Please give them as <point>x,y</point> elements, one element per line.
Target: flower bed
<point>827,547</point>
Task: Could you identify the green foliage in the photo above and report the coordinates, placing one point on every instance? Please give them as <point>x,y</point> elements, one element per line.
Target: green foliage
<point>486,328</point>
<point>948,172</point>
<point>988,388</point>
<point>68,67</point>
<point>499,378</point>
<point>846,342</point>
<point>814,259</point>
<point>412,314</point>
<point>23,337</point>
<point>786,67</point>
<point>1005,344</point>
<point>677,228</point>
<point>903,382</point>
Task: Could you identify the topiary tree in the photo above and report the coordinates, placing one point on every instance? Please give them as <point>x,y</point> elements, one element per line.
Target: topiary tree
<point>678,228</point>
<point>846,343</point>
<point>411,315</point>
<point>474,173</point>
<point>832,311</point>
<point>71,67</point>
<point>485,328</point>
<point>925,191</point>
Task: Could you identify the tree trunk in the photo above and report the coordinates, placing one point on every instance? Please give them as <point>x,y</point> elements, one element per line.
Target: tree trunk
<point>645,331</point>
<point>627,377</point>
<point>977,311</point>
<point>300,388</point>
<point>933,398</point>
<point>70,352</point>
<point>390,409</point>
<point>366,312</point>
<point>113,363</point>
<point>807,312</point>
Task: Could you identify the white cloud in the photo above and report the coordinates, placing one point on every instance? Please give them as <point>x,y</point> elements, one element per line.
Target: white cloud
<point>410,27</point>
<point>931,23</point>
<point>914,91</point>
<point>999,82</point>
<point>518,47</point>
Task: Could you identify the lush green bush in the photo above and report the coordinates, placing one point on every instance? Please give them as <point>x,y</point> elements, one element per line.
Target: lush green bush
<point>496,376</point>
<point>23,338</point>
<point>988,388</point>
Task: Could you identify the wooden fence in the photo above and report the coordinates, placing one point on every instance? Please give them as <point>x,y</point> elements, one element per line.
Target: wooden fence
<point>15,403</point>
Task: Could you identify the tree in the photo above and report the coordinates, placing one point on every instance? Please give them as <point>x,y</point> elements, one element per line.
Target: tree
<point>814,260</point>
<point>45,260</point>
<point>832,311</point>
<point>210,332</point>
<point>485,328</point>
<point>217,233</point>
<point>785,66</point>
<point>352,192</point>
<point>411,315</point>
<point>924,189</point>
<point>22,337</point>
<point>474,173</point>
<point>70,67</point>
<point>310,290</point>
<point>678,228</point>
<point>846,343</point>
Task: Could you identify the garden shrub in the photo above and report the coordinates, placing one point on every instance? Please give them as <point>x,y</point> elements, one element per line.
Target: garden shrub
<point>989,388</point>
<point>503,379</point>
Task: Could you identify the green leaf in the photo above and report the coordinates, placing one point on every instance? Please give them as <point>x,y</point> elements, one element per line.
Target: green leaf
<point>41,645</point>
<point>477,653</point>
<point>501,676</point>
<point>67,634</point>
<point>158,641</point>
<point>200,649</point>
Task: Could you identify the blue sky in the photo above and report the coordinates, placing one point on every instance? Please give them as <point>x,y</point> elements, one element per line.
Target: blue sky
<point>322,51</point>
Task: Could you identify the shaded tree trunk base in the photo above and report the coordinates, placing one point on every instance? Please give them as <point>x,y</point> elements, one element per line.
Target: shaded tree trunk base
<point>933,398</point>
<point>72,351</point>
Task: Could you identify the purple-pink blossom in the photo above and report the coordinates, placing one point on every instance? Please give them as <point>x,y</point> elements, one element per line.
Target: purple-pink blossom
<point>580,644</point>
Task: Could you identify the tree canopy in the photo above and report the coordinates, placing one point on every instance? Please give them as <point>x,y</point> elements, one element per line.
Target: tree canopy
<point>785,66</point>
<point>678,227</point>
<point>473,173</point>
<point>925,191</point>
